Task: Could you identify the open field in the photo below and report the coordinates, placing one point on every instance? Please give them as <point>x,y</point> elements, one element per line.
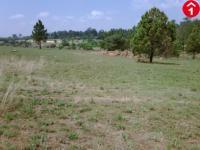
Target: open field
<point>59,99</point>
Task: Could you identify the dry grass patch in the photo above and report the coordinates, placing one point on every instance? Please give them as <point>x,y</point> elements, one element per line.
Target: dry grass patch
<point>15,73</point>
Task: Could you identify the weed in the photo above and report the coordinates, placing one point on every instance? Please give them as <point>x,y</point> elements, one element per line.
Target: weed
<point>120,127</point>
<point>9,116</point>
<point>73,136</point>
<point>119,118</point>
<point>10,133</point>
<point>37,140</point>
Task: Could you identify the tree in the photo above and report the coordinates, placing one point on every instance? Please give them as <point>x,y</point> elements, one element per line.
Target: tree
<point>154,34</point>
<point>114,42</point>
<point>91,33</point>
<point>116,39</point>
<point>184,29</point>
<point>39,33</point>
<point>168,43</point>
<point>193,41</point>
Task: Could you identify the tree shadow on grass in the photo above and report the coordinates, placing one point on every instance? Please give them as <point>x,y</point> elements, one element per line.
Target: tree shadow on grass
<point>165,63</point>
<point>159,63</point>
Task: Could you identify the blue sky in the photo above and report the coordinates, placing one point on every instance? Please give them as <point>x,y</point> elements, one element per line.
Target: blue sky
<point>19,16</point>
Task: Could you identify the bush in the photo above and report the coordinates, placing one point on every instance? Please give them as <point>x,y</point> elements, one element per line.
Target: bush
<point>177,48</point>
<point>60,46</point>
<point>73,46</point>
<point>52,45</point>
<point>65,43</point>
<point>86,46</point>
<point>115,42</point>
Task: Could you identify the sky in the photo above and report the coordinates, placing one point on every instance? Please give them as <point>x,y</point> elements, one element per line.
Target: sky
<point>19,16</point>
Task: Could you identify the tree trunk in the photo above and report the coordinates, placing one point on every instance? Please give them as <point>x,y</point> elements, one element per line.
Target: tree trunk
<point>193,57</point>
<point>151,57</point>
<point>40,45</point>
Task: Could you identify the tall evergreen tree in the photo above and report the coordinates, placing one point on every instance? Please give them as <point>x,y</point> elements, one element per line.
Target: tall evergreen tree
<point>193,41</point>
<point>39,33</point>
<point>153,33</point>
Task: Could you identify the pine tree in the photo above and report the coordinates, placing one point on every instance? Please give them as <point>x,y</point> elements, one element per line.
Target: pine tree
<point>39,33</point>
<point>154,34</point>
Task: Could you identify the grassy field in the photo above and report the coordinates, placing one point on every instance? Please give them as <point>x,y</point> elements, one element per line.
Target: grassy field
<point>59,99</point>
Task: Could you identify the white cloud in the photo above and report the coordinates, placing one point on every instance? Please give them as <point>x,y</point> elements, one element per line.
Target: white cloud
<point>56,18</point>
<point>147,4</point>
<point>98,15</point>
<point>62,18</point>
<point>167,4</point>
<point>83,19</point>
<point>17,16</point>
<point>69,17</point>
<point>108,18</point>
<point>43,14</point>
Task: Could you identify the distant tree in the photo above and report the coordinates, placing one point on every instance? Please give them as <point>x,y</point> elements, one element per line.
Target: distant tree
<point>65,43</point>
<point>101,34</point>
<point>86,46</point>
<point>184,29</point>
<point>116,39</point>
<point>114,42</point>
<point>91,33</point>
<point>193,41</point>
<point>154,34</point>
<point>20,35</point>
<point>39,33</point>
<point>14,37</point>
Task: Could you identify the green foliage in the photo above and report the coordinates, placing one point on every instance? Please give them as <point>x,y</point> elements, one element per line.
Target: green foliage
<point>73,45</point>
<point>116,39</point>
<point>177,48</point>
<point>86,46</point>
<point>193,41</point>
<point>184,30</point>
<point>37,140</point>
<point>60,46</point>
<point>9,116</point>
<point>39,33</point>
<point>119,117</point>
<point>10,146</point>
<point>114,42</point>
<point>154,34</point>
<point>10,133</point>
<point>73,136</point>
<point>65,43</point>
<point>90,33</point>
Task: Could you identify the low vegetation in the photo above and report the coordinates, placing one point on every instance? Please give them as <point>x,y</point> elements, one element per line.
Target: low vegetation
<point>56,99</point>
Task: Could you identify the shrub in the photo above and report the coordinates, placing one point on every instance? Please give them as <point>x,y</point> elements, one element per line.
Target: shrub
<point>65,43</point>
<point>86,46</point>
<point>115,42</point>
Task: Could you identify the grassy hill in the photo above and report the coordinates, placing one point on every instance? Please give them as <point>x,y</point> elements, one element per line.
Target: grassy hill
<point>68,99</point>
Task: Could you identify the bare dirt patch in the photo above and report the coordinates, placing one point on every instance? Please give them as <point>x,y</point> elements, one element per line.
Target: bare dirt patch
<point>116,53</point>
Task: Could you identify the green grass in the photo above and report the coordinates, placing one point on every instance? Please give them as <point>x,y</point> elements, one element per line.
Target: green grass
<point>73,136</point>
<point>81,100</point>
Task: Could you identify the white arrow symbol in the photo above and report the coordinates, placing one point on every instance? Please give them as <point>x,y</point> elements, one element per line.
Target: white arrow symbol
<point>191,11</point>
<point>191,4</point>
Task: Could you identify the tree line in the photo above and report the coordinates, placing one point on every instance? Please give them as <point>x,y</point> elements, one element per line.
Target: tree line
<point>155,35</point>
